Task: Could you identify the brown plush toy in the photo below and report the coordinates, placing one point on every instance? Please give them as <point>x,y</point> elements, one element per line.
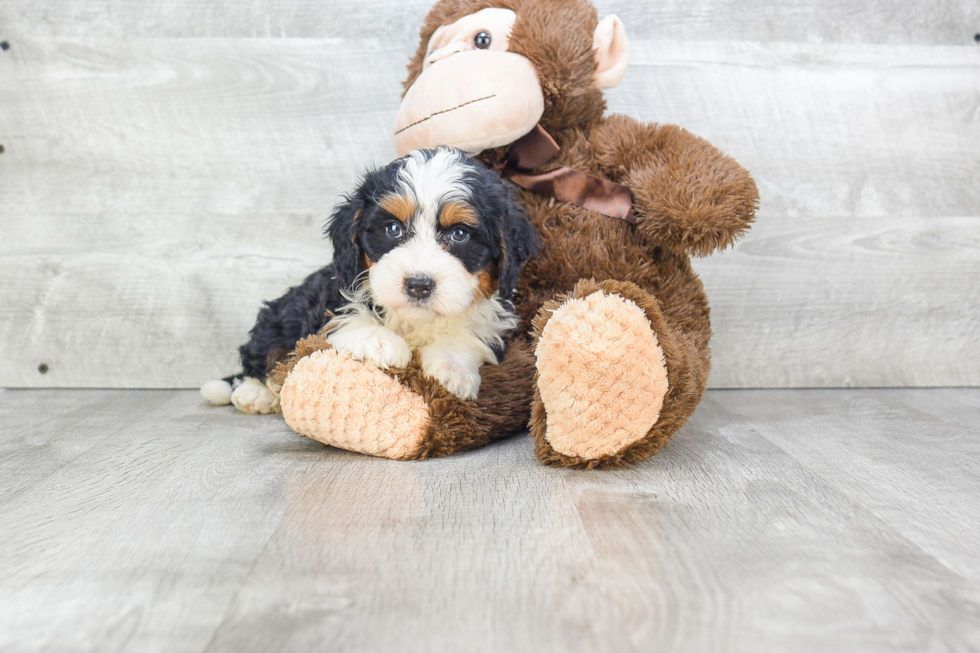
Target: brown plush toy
<point>611,356</point>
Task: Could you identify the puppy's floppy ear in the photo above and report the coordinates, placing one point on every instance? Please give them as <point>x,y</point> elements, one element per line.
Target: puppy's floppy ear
<point>342,229</point>
<point>518,241</point>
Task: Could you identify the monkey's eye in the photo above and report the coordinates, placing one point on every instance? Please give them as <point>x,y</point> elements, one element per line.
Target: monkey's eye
<point>394,230</point>
<point>482,40</point>
<point>459,235</point>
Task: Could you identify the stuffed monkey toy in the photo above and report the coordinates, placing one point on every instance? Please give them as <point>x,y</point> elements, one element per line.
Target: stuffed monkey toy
<point>611,356</point>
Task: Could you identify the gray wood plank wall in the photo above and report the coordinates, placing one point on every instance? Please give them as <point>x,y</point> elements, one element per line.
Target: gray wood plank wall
<point>168,166</point>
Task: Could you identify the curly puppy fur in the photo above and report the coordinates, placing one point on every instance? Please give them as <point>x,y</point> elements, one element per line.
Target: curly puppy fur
<point>434,218</point>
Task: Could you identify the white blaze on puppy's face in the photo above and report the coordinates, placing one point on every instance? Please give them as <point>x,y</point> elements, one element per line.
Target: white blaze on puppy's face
<point>428,249</point>
<point>430,184</point>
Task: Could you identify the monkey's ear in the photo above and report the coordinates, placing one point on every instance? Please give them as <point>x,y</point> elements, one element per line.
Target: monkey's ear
<point>518,242</point>
<point>342,231</point>
<point>612,51</point>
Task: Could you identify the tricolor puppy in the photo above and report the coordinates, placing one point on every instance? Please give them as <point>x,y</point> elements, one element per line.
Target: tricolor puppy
<point>426,256</point>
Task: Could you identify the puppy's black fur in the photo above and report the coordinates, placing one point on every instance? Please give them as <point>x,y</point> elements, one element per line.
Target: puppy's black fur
<point>505,233</point>
<point>281,323</point>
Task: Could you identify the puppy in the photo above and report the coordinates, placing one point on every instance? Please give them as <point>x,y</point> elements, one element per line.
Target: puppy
<point>426,256</point>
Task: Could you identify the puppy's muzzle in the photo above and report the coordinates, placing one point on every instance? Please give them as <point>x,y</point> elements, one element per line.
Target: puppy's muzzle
<point>419,287</point>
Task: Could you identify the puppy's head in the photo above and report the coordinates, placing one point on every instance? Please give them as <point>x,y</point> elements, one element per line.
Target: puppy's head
<point>434,232</point>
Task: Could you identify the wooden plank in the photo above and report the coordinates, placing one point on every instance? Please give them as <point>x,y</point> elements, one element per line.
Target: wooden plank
<point>839,302</point>
<point>725,542</point>
<point>776,520</point>
<point>33,447</point>
<point>217,126</point>
<point>141,542</point>
<point>945,22</point>
<point>144,300</point>
<point>393,20</point>
<point>882,302</point>
<point>165,192</point>
<point>942,22</point>
<point>825,130</point>
<point>229,126</point>
<point>910,457</point>
<point>464,553</point>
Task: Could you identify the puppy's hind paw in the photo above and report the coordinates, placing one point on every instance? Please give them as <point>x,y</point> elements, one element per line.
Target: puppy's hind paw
<point>254,398</point>
<point>218,392</point>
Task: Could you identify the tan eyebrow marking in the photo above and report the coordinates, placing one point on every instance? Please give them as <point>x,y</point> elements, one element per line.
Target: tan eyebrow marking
<point>457,213</point>
<point>399,206</point>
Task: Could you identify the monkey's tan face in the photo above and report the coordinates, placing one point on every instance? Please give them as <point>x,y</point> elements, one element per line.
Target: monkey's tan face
<point>472,93</point>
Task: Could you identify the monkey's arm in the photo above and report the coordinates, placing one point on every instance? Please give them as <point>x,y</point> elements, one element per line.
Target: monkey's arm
<point>687,194</point>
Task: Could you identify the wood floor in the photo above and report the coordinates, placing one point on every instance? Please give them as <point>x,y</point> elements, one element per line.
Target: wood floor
<point>791,520</point>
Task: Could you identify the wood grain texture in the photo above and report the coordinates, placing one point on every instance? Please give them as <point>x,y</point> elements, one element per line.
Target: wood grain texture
<point>268,125</point>
<point>775,520</point>
<point>827,131</point>
<point>144,301</point>
<point>948,22</point>
<point>32,446</point>
<point>870,302</point>
<point>920,447</point>
<point>163,301</point>
<point>397,20</point>
<point>153,195</point>
<point>224,126</point>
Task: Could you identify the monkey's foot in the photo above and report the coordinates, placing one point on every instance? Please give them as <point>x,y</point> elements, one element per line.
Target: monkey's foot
<point>331,397</point>
<point>601,377</point>
<point>399,413</point>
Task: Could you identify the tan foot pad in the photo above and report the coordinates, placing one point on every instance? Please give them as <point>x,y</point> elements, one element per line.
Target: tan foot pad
<point>601,375</point>
<point>345,403</point>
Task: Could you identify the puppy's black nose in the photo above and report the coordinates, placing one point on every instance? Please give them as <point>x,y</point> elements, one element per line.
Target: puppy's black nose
<point>419,287</point>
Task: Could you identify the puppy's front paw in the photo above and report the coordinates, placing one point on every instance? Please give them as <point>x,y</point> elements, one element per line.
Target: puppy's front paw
<point>254,398</point>
<point>460,377</point>
<point>376,344</point>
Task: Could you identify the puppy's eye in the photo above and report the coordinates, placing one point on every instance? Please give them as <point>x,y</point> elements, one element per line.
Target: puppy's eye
<point>394,230</point>
<point>482,40</point>
<point>459,235</point>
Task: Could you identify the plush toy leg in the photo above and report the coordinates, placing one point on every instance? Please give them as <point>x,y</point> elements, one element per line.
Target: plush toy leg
<point>400,413</point>
<point>613,382</point>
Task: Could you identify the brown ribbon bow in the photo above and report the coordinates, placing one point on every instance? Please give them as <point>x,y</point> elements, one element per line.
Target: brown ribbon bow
<point>564,184</point>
